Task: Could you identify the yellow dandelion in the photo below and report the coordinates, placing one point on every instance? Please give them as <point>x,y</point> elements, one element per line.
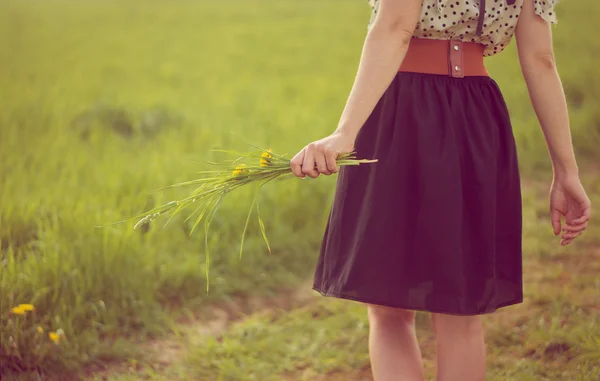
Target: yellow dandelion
<point>18,310</point>
<point>267,154</point>
<point>239,170</point>
<point>40,329</point>
<point>55,337</point>
<point>265,158</point>
<point>27,307</point>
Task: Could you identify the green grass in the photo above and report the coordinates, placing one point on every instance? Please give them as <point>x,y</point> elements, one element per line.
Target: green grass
<point>104,102</point>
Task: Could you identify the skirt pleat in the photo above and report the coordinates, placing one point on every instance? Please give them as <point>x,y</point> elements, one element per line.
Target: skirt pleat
<point>435,225</point>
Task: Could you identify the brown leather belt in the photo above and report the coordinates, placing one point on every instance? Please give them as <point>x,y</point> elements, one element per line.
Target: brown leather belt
<point>447,57</point>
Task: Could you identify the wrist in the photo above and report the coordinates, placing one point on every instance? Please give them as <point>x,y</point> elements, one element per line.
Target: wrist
<point>345,133</point>
<point>560,173</point>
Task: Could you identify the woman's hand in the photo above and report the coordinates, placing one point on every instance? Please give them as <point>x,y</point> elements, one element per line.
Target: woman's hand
<point>567,197</point>
<point>319,157</point>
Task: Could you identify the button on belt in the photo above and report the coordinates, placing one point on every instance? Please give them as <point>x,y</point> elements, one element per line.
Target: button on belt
<point>456,60</point>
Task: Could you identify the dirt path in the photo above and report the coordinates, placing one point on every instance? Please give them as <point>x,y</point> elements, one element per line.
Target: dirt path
<point>211,321</point>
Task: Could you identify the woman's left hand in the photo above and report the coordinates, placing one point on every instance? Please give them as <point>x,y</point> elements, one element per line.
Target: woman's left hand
<point>319,157</point>
<point>568,198</point>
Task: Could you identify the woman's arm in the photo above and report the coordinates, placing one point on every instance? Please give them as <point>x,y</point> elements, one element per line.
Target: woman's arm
<point>383,52</point>
<point>536,55</point>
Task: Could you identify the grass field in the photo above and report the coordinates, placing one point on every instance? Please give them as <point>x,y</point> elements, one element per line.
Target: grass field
<point>104,102</point>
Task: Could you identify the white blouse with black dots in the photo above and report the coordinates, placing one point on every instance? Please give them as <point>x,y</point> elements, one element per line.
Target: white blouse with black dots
<point>464,20</point>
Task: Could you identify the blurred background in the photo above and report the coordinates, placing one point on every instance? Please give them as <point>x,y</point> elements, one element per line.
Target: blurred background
<point>103,102</point>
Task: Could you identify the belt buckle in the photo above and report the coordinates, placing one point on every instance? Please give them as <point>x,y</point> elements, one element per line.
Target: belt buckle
<point>456,59</point>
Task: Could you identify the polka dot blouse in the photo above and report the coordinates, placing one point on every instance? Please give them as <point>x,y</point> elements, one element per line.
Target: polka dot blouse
<point>489,22</point>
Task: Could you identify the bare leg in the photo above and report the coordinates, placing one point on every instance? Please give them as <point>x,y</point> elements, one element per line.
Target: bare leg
<point>393,346</point>
<point>460,347</point>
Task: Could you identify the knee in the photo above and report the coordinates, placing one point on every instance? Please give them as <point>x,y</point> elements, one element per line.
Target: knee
<point>444,324</point>
<point>383,315</point>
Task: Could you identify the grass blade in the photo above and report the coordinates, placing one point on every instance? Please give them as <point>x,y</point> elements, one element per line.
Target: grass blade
<point>191,214</point>
<point>246,224</point>
<point>159,209</point>
<point>207,222</point>
<point>262,226</point>
<point>180,206</point>
<point>260,148</point>
<point>232,152</point>
<point>197,222</point>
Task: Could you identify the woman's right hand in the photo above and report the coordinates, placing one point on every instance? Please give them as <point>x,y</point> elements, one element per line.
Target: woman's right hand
<point>568,198</point>
<point>319,157</point>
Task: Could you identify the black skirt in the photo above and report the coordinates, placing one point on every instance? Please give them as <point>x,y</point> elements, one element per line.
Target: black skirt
<point>436,224</point>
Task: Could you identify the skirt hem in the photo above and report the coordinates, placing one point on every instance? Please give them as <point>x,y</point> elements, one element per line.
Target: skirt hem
<point>415,308</point>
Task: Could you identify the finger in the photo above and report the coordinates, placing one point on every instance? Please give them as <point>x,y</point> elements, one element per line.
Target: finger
<point>331,162</point>
<point>570,236</point>
<point>555,218</point>
<point>574,228</point>
<point>308,164</point>
<point>585,216</point>
<point>296,163</point>
<point>321,163</point>
<point>565,242</point>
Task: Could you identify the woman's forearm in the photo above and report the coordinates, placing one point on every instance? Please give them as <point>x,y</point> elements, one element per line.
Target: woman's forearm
<point>548,100</point>
<point>383,52</point>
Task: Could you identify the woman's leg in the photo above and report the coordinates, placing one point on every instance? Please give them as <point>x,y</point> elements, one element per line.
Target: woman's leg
<point>460,347</point>
<point>393,346</point>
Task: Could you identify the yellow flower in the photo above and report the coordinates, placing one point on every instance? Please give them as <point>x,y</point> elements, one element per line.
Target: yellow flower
<point>40,329</point>
<point>267,154</point>
<point>265,158</point>
<point>22,308</point>
<point>56,336</point>
<point>18,310</point>
<point>239,170</point>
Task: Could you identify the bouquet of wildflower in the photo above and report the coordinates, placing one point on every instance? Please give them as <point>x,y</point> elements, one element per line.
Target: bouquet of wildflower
<point>263,166</point>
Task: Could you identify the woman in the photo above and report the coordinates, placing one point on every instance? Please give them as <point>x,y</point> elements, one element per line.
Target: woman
<point>435,224</point>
